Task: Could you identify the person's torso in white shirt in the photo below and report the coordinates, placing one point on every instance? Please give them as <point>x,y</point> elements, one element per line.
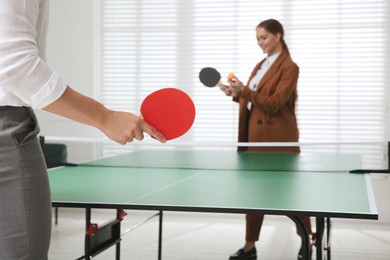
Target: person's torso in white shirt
<point>25,78</point>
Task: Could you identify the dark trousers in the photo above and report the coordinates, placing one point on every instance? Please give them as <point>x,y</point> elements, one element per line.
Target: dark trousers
<point>25,204</point>
<point>255,221</point>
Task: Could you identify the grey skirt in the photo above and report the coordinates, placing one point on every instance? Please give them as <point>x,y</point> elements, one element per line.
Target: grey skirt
<point>25,204</point>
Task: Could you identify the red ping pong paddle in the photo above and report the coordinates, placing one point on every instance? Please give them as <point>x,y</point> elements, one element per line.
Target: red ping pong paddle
<point>169,110</point>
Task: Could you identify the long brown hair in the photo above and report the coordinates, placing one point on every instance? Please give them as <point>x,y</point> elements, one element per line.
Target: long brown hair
<point>274,26</point>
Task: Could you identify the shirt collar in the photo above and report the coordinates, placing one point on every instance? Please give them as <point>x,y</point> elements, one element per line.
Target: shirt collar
<point>271,59</point>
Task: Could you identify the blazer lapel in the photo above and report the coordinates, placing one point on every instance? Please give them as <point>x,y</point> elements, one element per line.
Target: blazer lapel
<point>271,71</point>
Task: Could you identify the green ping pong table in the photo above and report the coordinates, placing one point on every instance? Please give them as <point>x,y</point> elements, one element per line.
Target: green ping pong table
<point>313,184</point>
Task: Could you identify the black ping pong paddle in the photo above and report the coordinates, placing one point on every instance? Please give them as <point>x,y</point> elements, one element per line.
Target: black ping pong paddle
<point>210,77</point>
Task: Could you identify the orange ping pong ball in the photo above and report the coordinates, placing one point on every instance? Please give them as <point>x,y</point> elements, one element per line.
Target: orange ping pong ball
<point>231,75</point>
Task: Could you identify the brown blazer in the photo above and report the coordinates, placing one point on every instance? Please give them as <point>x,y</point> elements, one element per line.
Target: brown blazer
<point>272,117</point>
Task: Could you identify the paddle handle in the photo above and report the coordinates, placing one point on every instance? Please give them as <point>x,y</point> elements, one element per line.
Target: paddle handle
<point>220,85</point>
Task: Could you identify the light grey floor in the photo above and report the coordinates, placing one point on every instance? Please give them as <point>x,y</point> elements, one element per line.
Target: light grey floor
<point>208,236</point>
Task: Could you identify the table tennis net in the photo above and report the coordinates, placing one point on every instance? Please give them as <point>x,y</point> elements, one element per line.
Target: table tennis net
<point>313,157</point>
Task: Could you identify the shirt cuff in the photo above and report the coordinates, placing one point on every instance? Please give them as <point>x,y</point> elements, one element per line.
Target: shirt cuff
<point>50,92</point>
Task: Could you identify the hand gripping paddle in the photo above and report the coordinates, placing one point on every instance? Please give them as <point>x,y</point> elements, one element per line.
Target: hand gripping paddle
<point>169,110</point>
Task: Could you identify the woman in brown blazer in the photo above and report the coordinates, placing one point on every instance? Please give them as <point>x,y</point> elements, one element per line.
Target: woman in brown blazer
<point>267,111</point>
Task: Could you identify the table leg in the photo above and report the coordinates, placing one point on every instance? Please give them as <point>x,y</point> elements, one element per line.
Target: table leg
<point>119,216</point>
<point>304,237</point>
<point>118,251</point>
<point>320,225</point>
<point>87,248</point>
<point>160,235</point>
<point>56,215</point>
<point>328,237</point>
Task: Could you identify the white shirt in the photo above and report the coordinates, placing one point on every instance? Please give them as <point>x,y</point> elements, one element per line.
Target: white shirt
<point>261,72</point>
<point>25,78</point>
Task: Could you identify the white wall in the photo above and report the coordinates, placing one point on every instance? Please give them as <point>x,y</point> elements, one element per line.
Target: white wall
<point>71,52</point>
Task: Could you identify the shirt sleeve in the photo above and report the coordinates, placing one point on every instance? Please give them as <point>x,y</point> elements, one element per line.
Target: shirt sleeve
<point>22,70</point>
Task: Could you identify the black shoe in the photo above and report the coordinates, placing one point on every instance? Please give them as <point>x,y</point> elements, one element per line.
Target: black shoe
<point>242,255</point>
<point>300,257</point>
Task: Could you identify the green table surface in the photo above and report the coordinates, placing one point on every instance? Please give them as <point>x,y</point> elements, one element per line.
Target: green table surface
<point>223,181</point>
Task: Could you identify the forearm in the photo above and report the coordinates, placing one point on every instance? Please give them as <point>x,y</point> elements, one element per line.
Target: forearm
<point>78,107</point>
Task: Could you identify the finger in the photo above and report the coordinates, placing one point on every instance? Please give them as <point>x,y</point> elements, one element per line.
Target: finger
<point>138,135</point>
<point>233,81</point>
<point>122,140</point>
<point>153,132</point>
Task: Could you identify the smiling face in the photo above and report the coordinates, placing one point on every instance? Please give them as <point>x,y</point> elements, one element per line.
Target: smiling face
<point>270,43</point>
